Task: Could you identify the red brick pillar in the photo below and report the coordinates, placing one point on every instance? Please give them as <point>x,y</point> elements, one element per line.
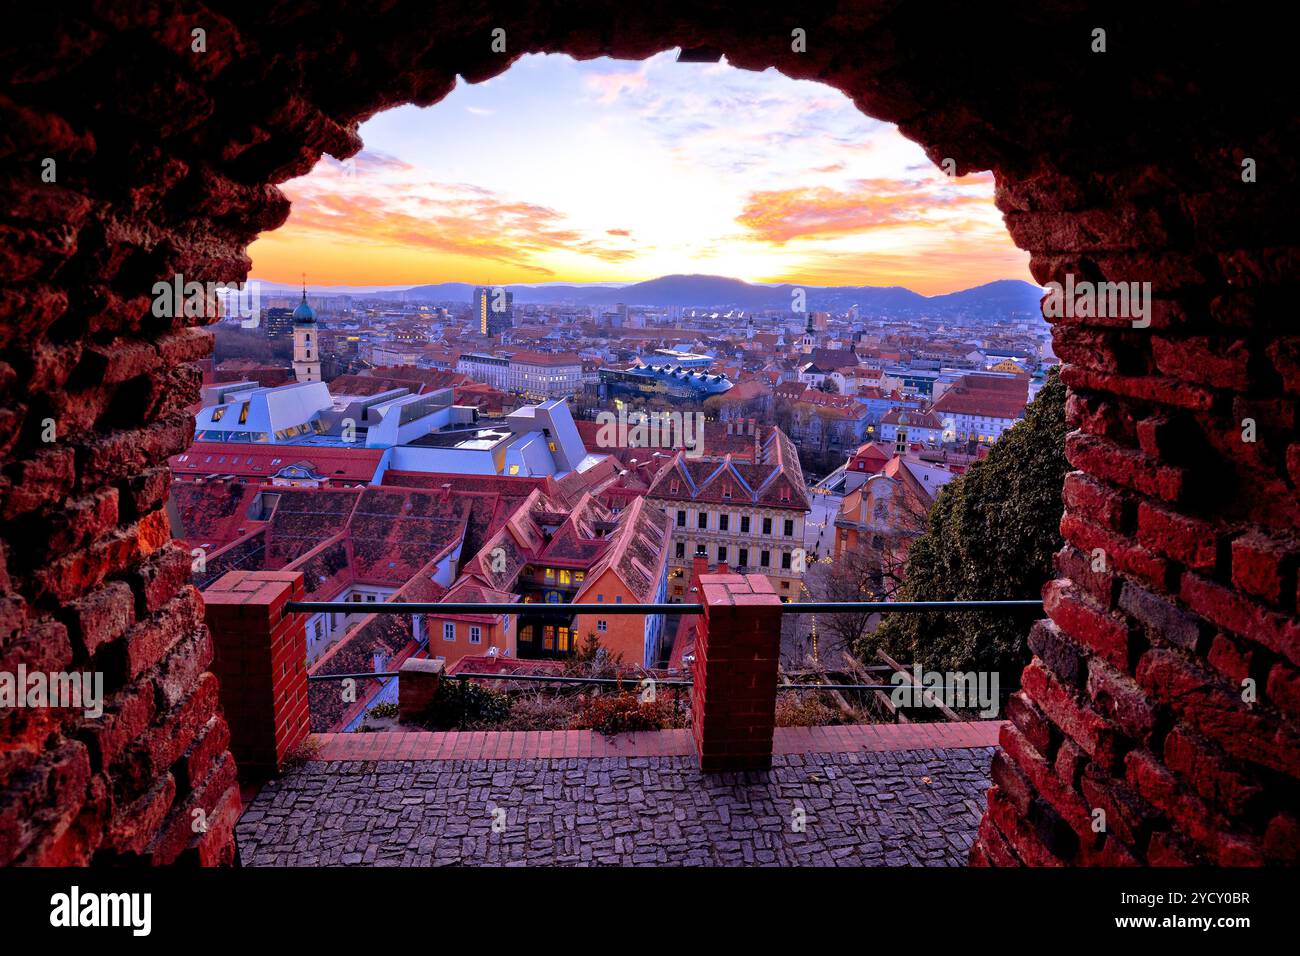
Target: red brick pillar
<point>417,685</point>
<point>260,659</point>
<point>736,650</point>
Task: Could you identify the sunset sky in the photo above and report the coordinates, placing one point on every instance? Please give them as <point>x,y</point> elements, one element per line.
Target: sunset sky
<point>615,171</point>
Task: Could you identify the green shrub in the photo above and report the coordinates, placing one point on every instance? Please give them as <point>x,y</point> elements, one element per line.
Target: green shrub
<point>990,535</point>
<point>462,702</point>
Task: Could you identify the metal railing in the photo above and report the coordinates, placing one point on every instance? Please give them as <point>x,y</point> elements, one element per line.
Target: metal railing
<point>631,680</point>
<point>806,607</point>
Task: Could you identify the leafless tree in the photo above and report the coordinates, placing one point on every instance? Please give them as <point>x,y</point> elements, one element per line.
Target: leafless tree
<point>851,578</point>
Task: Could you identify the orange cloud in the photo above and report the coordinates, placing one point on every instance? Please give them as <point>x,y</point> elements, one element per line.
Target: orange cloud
<point>391,216</point>
<point>781,215</point>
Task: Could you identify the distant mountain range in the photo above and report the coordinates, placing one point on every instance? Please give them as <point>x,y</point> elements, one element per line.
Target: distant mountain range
<point>718,292</point>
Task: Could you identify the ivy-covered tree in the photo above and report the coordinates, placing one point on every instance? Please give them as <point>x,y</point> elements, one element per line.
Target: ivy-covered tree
<point>990,535</point>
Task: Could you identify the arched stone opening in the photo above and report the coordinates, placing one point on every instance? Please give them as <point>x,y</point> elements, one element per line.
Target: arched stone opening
<point>132,155</point>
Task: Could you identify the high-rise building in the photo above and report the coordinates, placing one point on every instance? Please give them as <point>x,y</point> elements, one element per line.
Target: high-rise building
<point>495,309</point>
<point>278,323</point>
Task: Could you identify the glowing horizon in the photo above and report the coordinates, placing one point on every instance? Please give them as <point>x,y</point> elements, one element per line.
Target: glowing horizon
<point>612,171</point>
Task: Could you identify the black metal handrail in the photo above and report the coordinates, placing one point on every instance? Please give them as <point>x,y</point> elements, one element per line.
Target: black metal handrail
<point>807,607</point>
<point>631,681</point>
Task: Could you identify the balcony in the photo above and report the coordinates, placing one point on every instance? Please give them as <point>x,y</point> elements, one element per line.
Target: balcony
<point>733,789</point>
<point>887,795</point>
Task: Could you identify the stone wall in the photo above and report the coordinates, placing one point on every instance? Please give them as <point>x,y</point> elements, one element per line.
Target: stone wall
<point>1125,164</point>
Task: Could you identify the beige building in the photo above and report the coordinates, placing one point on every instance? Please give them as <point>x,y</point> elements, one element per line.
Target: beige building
<point>748,515</point>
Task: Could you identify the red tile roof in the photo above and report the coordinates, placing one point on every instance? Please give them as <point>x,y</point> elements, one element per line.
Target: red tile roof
<point>213,513</point>
<point>262,462</point>
<point>545,358</point>
<point>985,396</point>
<point>774,481</point>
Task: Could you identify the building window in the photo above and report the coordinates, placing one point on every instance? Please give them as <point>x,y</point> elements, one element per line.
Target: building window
<point>448,631</point>
<point>565,577</point>
<point>703,521</point>
<point>767,526</point>
<point>744,558</point>
<point>785,560</point>
<point>602,625</point>
<point>681,549</point>
<point>722,554</point>
<point>475,634</point>
<point>681,519</point>
<point>724,521</point>
<point>789,528</point>
<point>765,559</point>
<point>744,524</point>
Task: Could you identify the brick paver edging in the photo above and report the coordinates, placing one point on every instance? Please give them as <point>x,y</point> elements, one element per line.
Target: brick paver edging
<point>564,744</point>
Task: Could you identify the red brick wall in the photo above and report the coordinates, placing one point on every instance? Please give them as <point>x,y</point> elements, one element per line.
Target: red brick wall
<point>260,658</point>
<point>1123,164</point>
<point>733,694</point>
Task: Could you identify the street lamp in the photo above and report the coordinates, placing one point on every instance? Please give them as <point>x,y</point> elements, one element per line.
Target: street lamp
<point>816,659</point>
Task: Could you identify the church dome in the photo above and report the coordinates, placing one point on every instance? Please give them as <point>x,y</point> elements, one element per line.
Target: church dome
<point>304,313</point>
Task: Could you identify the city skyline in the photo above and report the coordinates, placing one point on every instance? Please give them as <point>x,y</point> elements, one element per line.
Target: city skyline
<point>619,171</point>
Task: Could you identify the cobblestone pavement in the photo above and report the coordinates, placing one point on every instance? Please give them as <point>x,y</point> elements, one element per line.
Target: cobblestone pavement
<point>914,807</point>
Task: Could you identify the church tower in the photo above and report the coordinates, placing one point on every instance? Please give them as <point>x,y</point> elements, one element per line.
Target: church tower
<point>306,341</point>
<point>809,341</point>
